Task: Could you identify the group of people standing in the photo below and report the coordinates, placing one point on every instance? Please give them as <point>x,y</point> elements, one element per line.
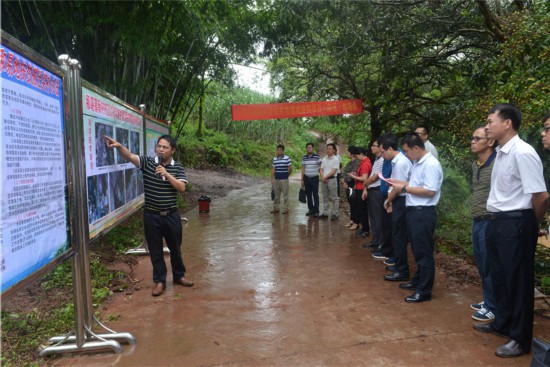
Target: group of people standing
<point>393,198</point>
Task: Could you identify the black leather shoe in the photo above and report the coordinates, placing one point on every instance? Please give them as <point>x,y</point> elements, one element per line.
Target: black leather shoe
<point>510,349</point>
<point>417,298</point>
<point>408,286</point>
<point>390,268</point>
<point>369,245</point>
<point>488,328</point>
<point>396,277</point>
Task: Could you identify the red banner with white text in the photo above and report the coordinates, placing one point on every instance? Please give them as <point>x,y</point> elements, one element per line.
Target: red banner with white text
<point>270,111</point>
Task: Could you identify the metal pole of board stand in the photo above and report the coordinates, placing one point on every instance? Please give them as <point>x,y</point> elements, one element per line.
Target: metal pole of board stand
<point>83,339</point>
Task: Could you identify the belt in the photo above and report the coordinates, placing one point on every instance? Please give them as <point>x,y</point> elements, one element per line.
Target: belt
<point>420,207</point>
<point>374,188</point>
<point>162,213</point>
<point>317,177</point>
<point>514,214</point>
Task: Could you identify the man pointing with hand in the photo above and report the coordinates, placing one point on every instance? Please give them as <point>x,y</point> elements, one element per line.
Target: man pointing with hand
<point>163,178</point>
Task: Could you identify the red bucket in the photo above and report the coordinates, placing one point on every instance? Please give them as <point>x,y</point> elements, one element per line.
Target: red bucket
<point>204,204</point>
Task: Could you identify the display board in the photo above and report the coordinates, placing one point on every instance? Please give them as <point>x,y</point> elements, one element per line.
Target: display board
<point>33,213</point>
<point>114,185</point>
<point>154,130</point>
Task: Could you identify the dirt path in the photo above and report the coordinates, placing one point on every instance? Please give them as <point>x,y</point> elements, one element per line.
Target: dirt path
<point>290,290</point>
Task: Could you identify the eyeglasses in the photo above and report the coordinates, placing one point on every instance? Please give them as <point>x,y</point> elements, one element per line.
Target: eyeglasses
<point>476,138</point>
<point>375,145</point>
<point>546,129</point>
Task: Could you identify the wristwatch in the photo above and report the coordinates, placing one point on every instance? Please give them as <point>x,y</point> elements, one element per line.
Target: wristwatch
<point>404,189</point>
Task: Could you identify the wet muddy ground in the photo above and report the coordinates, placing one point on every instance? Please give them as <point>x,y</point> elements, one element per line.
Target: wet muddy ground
<point>289,290</point>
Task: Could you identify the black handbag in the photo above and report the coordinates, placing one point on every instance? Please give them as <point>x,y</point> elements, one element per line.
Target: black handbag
<point>541,353</point>
<point>302,195</point>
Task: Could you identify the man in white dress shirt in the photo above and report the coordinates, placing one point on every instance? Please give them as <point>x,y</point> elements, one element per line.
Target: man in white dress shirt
<point>424,133</point>
<point>516,205</point>
<point>423,191</point>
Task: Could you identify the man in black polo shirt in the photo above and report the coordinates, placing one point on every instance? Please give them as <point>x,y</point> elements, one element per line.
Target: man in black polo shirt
<point>163,178</point>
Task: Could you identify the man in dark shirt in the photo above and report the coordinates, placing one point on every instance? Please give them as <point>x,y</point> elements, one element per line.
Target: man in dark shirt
<point>163,178</point>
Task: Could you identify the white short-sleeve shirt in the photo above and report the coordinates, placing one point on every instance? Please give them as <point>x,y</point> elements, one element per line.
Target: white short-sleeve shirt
<point>401,168</point>
<point>428,174</point>
<point>330,163</point>
<point>517,174</point>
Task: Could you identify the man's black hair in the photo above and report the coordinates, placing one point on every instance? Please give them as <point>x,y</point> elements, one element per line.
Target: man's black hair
<point>546,118</point>
<point>351,149</point>
<point>413,140</point>
<point>281,146</point>
<point>310,143</point>
<point>508,111</point>
<point>169,139</point>
<point>389,141</point>
<point>427,129</point>
<point>360,150</point>
<point>333,145</point>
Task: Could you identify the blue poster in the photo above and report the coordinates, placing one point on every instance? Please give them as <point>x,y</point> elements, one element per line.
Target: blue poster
<point>33,210</point>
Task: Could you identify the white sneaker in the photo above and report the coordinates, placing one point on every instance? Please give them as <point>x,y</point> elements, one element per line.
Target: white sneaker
<point>477,306</point>
<point>483,315</point>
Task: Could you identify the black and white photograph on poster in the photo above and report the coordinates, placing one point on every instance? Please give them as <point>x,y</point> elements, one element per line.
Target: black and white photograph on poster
<point>131,176</point>
<point>134,143</point>
<point>104,155</point>
<point>98,197</point>
<point>116,197</point>
<point>122,138</point>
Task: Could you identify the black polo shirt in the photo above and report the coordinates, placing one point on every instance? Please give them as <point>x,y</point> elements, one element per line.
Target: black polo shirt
<point>160,195</point>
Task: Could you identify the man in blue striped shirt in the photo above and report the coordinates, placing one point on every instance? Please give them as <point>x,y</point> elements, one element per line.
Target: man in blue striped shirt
<point>310,179</point>
<point>282,168</point>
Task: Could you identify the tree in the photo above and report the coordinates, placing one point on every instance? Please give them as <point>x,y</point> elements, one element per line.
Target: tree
<point>142,52</point>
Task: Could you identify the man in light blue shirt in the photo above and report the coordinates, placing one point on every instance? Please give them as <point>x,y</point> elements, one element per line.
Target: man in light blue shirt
<point>423,191</point>
<point>395,203</point>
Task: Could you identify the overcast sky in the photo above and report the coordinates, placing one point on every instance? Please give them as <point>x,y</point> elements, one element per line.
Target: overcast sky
<point>253,77</point>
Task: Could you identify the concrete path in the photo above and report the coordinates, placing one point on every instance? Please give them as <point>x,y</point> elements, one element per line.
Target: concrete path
<point>289,290</point>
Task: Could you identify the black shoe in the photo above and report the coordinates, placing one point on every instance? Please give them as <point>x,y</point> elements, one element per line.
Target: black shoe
<point>390,268</point>
<point>376,248</point>
<point>308,214</point>
<point>408,286</point>
<point>489,329</point>
<point>369,245</point>
<point>510,349</point>
<point>334,217</point>
<point>315,215</point>
<point>417,298</point>
<point>361,234</point>
<point>396,277</point>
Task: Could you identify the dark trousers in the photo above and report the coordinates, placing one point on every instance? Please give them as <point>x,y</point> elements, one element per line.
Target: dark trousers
<point>311,185</point>
<point>375,206</point>
<point>399,235</point>
<point>168,227</point>
<point>480,255</point>
<point>421,226</point>
<point>511,246</point>
<point>362,210</point>
<point>353,213</point>
<point>386,244</point>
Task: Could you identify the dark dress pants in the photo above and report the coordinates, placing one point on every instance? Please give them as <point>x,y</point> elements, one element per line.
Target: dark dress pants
<point>386,244</point>
<point>399,235</point>
<point>168,227</point>
<point>421,226</point>
<point>375,206</point>
<point>311,185</point>
<point>362,211</point>
<point>511,244</point>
